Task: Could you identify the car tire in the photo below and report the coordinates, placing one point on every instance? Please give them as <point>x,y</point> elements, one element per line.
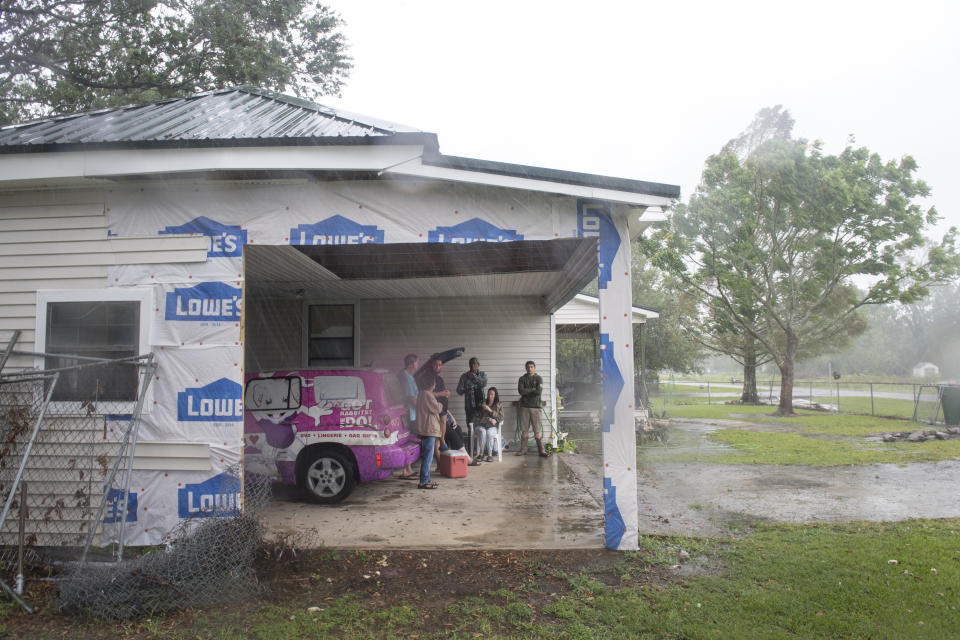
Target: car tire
<point>326,477</point>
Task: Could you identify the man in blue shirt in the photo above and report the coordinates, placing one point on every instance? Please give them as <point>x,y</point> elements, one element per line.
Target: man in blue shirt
<point>408,386</point>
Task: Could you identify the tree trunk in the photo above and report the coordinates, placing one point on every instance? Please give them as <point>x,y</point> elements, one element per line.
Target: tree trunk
<point>786,377</point>
<point>749,395</point>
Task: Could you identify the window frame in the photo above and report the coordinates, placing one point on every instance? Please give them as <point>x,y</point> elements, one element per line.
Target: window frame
<point>305,347</point>
<point>142,295</point>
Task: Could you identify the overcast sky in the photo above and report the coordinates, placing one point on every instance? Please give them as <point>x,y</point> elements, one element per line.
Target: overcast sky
<point>647,90</point>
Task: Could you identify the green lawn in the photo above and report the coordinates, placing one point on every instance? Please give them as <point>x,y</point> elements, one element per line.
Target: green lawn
<point>796,581</point>
<point>760,447</point>
<point>810,438</point>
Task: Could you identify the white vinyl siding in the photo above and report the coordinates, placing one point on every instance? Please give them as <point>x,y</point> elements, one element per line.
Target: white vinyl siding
<point>578,312</point>
<point>502,333</point>
<point>172,456</point>
<point>60,241</point>
<point>584,310</point>
<point>69,462</point>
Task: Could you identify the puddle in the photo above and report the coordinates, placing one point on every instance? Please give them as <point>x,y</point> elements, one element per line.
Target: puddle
<point>681,492</point>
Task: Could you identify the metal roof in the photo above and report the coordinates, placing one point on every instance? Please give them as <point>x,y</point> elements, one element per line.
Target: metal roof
<point>252,117</point>
<point>227,115</point>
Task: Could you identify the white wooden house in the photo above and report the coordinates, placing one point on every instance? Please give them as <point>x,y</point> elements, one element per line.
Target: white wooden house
<point>253,231</point>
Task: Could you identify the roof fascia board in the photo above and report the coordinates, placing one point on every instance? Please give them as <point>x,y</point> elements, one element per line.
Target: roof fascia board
<point>417,168</point>
<point>639,220</point>
<point>431,157</point>
<point>100,164</point>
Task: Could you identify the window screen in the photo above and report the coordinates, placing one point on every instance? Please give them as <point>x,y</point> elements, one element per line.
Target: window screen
<point>98,330</point>
<point>331,335</point>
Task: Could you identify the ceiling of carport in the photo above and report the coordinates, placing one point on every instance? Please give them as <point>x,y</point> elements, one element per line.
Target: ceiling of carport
<point>553,270</point>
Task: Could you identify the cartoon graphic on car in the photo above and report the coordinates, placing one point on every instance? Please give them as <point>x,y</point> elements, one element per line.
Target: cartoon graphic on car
<point>326,430</point>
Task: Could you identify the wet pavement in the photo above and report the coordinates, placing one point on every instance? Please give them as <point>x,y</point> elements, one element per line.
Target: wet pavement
<point>520,503</point>
<point>555,503</point>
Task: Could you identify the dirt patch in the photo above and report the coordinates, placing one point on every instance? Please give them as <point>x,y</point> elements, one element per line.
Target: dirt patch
<point>429,580</point>
<point>388,576</point>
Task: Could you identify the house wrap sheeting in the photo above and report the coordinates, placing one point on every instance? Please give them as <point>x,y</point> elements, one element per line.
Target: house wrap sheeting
<point>196,332</point>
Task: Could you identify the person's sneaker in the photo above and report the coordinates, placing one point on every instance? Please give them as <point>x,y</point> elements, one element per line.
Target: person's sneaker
<point>488,458</point>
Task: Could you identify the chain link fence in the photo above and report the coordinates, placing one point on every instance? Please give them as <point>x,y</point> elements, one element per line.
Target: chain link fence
<point>63,461</point>
<point>210,562</point>
<point>906,400</point>
<point>64,483</point>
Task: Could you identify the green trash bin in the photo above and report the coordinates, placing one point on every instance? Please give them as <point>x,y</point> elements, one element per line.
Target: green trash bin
<point>950,401</point>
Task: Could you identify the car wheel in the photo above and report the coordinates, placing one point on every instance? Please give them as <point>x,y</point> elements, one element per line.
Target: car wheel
<point>326,477</point>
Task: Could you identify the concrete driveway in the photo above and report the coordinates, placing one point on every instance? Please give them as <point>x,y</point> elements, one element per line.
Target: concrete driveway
<point>520,503</point>
<point>555,503</point>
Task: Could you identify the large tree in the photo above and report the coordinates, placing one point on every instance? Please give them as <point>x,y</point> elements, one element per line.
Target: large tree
<point>791,228</point>
<point>65,56</point>
<point>667,345</point>
<point>716,328</point>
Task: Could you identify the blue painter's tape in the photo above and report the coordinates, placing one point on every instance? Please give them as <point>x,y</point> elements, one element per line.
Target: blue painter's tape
<point>615,527</point>
<point>594,221</point>
<point>611,383</point>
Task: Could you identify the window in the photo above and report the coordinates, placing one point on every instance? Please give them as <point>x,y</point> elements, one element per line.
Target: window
<point>273,394</point>
<point>331,336</point>
<point>339,391</point>
<point>93,324</point>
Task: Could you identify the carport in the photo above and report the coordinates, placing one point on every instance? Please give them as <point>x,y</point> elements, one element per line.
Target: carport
<point>416,298</point>
<point>516,503</point>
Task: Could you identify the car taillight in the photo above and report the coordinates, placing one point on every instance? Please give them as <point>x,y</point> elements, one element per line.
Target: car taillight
<point>379,459</point>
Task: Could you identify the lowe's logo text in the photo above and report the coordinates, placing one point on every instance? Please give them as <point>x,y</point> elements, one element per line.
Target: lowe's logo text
<point>226,241</point>
<point>114,506</point>
<point>208,301</point>
<point>220,401</point>
<point>218,496</point>
<point>473,230</point>
<point>335,230</point>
